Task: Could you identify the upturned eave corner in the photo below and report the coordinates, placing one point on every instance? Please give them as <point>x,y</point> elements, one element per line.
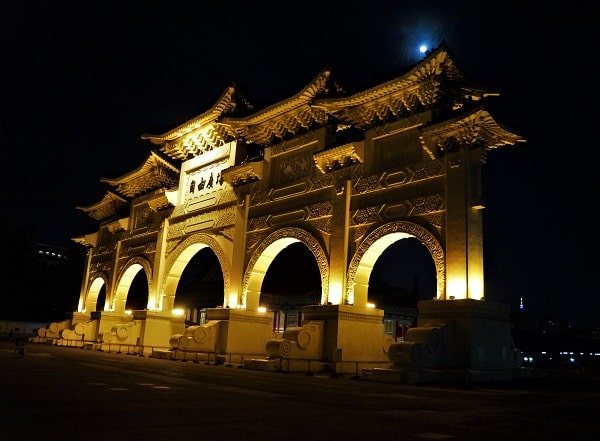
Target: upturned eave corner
<point>477,128</point>
<point>87,240</point>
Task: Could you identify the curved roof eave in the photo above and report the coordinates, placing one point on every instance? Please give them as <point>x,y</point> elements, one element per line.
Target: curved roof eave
<point>302,98</point>
<point>148,164</point>
<point>223,104</point>
<point>477,124</point>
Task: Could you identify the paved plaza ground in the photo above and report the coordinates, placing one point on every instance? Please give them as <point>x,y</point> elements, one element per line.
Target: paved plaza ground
<point>61,393</point>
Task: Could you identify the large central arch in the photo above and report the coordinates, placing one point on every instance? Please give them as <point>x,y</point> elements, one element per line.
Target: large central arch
<point>181,256</point>
<point>266,252</point>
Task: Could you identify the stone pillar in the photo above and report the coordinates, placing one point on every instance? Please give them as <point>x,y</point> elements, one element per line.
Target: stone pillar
<point>464,236</point>
<point>338,255</point>
<point>116,305</point>
<point>158,272</point>
<point>233,298</point>
<point>85,282</point>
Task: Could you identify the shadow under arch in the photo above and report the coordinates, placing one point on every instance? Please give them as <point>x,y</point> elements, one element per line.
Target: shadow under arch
<point>266,252</point>
<point>90,302</point>
<point>127,273</point>
<point>375,243</point>
<point>181,256</point>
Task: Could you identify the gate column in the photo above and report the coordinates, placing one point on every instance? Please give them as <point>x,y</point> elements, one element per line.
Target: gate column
<point>338,255</point>
<point>464,235</point>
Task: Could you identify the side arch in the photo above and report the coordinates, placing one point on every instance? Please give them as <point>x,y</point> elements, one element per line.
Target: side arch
<point>180,257</point>
<point>378,240</point>
<point>264,254</point>
<point>124,279</point>
<point>95,284</point>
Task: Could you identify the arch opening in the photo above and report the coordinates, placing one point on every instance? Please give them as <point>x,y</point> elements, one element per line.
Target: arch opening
<point>95,299</point>
<point>200,286</point>
<point>291,282</point>
<point>403,274</point>
<point>177,263</point>
<point>367,253</point>
<point>119,302</point>
<point>266,253</point>
<point>137,295</point>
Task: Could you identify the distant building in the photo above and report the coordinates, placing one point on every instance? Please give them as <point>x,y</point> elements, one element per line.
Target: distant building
<point>51,255</point>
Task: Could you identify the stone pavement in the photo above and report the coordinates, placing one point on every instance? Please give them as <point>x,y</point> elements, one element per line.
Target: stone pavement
<point>60,393</point>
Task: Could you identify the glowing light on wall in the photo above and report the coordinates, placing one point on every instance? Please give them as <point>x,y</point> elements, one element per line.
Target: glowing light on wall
<point>262,309</point>
<point>476,287</point>
<point>178,312</point>
<point>233,300</point>
<point>457,288</point>
<point>335,292</point>
<point>350,296</point>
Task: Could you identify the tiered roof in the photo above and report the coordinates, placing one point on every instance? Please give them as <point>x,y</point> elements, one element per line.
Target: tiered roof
<point>108,207</point>
<point>155,172</point>
<point>435,84</point>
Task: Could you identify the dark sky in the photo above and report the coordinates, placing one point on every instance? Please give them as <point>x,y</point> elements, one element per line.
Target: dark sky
<point>83,80</point>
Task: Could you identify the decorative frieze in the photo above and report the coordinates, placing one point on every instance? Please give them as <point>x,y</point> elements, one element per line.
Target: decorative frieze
<point>365,215</point>
<point>322,181</point>
<point>323,225</point>
<point>229,233</point>
<point>258,223</point>
<point>357,232</point>
<point>436,220</point>
<point>320,209</point>
<point>427,204</point>
<point>252,240</point>
<point>418,206</point>
<point>293,167</point>
<point>367,184</point>
<point>406,175</point>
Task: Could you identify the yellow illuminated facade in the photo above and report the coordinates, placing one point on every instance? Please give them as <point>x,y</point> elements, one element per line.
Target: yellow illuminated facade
<point>345,174</point>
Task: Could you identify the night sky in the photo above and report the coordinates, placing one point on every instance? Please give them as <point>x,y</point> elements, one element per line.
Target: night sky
<point>83,80</point>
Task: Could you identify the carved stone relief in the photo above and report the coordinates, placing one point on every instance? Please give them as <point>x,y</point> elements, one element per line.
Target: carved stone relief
<point>295,166</point>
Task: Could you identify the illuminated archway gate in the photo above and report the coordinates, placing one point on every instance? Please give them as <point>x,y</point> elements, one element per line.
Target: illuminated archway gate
<point>345,174</point>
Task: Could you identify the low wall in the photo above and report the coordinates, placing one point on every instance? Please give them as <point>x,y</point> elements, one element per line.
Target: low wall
<point>21,328</point>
